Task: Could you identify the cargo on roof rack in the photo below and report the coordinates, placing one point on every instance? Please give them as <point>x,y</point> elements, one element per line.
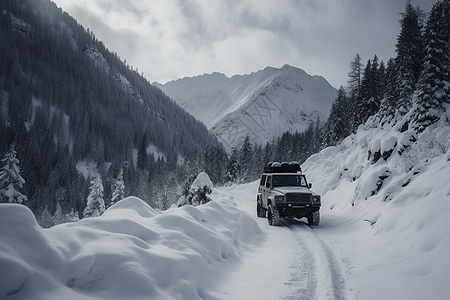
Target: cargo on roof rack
<point>285,167</point>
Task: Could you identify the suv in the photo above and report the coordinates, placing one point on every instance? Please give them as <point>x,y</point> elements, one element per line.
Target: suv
<point>284,192</point>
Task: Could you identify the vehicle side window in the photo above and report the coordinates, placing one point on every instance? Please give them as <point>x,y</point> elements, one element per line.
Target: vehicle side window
<point>303,181</point>
<point>263,180</point>
<point>269,180</point>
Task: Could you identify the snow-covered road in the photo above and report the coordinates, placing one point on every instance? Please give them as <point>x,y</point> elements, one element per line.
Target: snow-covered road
<point>291,261</point>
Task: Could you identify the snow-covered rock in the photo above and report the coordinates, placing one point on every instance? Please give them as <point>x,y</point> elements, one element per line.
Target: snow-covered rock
<point>96,56</point>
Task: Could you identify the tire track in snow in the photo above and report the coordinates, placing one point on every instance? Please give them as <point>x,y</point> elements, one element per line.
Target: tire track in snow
<point>317,274</point>
<point>302,278</point>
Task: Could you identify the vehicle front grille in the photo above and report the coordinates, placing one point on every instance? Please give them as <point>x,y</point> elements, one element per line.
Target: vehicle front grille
<point>298,198</point>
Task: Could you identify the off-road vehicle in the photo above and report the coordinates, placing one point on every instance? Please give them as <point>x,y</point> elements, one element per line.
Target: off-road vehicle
<point>284,192</point>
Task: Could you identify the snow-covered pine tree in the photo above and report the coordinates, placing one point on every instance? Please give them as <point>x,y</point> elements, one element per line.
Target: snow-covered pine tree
<point>434,82</point>
<point>199,192</point>
<point>118,189</point>
<point>409,49</point>
<point>95,206</point>
<point>391,94</point>
<point>72,216</point>
<point>232,166</point>
<point>58,217</point>
<point>245,159</point>
<point>10,180</point>
<point>45,218</point>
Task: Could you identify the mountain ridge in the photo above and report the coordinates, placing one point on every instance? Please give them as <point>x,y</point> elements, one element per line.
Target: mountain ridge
<point>262,104</point>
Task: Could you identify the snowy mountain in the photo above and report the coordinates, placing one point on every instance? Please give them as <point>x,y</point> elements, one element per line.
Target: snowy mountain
<point>263,104</point>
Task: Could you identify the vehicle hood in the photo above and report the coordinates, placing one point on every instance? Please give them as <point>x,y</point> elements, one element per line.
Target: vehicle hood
<point>292,189</point>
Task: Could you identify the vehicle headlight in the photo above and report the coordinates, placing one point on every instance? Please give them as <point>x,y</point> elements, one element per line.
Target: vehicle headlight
<point>316,199</point>
<point>279,198</point>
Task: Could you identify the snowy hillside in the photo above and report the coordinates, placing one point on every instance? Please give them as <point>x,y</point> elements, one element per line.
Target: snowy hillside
<point>263,104</point>
<point>388,194</point>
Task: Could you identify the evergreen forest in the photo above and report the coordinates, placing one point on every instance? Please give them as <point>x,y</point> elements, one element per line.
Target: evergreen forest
<point>71,108</point>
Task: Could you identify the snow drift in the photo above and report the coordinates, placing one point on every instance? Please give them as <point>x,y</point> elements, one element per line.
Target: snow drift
<point>130,252</point>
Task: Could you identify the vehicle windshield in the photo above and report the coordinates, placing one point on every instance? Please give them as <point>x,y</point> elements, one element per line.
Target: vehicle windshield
<point>288,180</point>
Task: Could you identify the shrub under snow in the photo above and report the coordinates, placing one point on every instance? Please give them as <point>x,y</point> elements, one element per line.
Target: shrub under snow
<point>199,192</point>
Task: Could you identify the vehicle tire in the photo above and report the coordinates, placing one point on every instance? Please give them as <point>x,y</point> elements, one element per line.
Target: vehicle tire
<point>273,216</point>
<point>260,211</point>
<point>314,218</point>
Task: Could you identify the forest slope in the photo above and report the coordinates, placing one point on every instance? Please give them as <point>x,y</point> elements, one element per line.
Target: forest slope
<point>68,103</point>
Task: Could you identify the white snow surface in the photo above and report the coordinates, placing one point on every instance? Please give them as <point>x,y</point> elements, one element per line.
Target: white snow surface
<point>201,181</point>
<point>391,245</point>
<point>262,104</point>
<point>130,252</point>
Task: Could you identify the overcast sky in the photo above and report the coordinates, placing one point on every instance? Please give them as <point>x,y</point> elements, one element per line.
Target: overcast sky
<point>171,39</point>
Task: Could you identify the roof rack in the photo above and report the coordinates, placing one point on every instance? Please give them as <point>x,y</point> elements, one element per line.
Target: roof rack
<point>285,167</point>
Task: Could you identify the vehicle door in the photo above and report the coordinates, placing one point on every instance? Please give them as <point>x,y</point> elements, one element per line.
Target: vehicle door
<point>266,190</point>
<point>262,183</point>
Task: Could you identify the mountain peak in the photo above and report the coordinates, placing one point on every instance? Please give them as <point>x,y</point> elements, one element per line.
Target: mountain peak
<point>263,104</point>
<point>285,67</point>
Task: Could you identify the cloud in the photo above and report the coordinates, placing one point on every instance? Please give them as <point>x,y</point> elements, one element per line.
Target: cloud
<point>169,39</point>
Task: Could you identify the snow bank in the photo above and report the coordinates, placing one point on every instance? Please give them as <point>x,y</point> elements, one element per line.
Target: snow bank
<point>130,252</point>
<point>405,199</point>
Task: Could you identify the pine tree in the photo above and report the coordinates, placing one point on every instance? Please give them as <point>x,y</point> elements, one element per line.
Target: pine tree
<point>45,218</point>
<point>95,204</point>
<point>72,216</point>
<point>381,80</point>
<point>377,86</point>
<point>434,83</point>
<point>369,98</point>
<point>409,49</point>
<point>354,89</point>
<point>142,157</point>
<point>337,126</point>
<point>354,76</point>
<point>268,155</point>
<point>58,217</point>
<point>364,99</point>
<point>232,167</point>
<point>10,180</point>
<point>245,159</point>
<point>391,94</point>
<point>118,189</point>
